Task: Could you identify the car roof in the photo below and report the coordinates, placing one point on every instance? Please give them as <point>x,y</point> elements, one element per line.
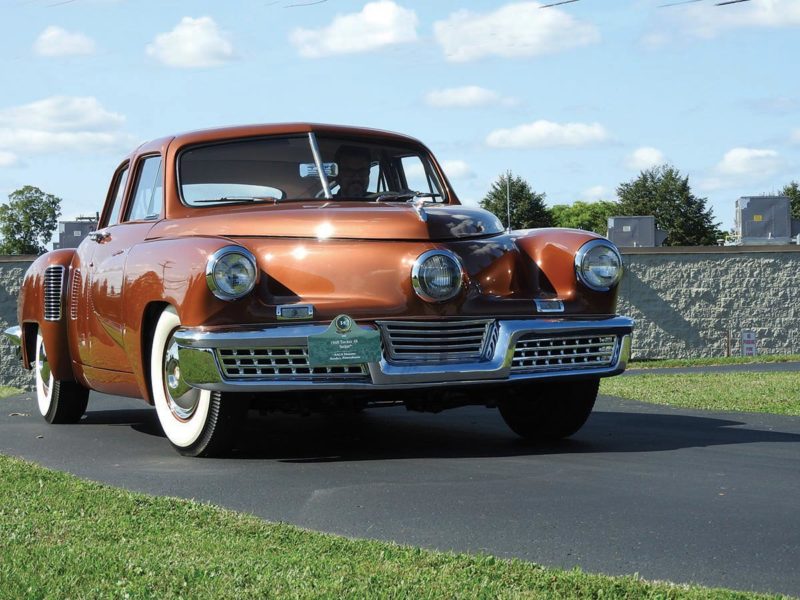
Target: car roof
<point>223,133</point>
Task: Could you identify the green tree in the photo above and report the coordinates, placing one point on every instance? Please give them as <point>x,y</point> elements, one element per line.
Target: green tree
<point>792,191</point>
<point>527,207</point>
<point>28,220</point>
<point>590,216</point>
<point>664,193</point>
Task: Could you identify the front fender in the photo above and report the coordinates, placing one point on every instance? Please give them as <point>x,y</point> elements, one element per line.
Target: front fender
<point>553,250</point>
<point>51,322</point>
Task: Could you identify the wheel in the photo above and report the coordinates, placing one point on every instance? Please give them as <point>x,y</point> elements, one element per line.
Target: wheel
<point>60,402</point>
<point>196,422</point>
<point>550,410</point>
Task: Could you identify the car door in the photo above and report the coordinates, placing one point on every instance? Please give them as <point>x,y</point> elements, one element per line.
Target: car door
<point>106,267</point>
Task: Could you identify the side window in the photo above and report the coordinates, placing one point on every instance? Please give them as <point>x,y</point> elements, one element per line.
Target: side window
<point>119,192</point>
<point>149,191</point>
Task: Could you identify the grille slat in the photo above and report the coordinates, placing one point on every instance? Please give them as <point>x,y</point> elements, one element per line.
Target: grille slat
<point>536,353</point>
<point>280,363</point>
<point>436,341</point>
<point>53,284</point>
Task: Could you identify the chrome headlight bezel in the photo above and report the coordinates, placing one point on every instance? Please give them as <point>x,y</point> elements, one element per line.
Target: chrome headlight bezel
<point>417,284</point>
<point>584,252</point>
<point>214,261</point>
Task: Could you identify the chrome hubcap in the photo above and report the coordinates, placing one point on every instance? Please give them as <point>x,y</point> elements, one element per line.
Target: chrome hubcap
<point>181,398</point>
<point>43,370</point>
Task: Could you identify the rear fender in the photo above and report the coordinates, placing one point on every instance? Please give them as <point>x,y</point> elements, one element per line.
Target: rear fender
<point>47,280</point>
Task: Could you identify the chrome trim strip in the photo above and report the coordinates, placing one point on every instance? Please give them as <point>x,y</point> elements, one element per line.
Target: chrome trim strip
<point>198,346</point>
<point>291,308</point>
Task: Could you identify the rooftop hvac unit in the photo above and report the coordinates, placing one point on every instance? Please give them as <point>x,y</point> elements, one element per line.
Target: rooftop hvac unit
<point>763,220</point>
<point>635,232</point>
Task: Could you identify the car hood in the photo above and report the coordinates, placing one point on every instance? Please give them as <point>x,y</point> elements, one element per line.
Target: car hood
<point>332,220</point>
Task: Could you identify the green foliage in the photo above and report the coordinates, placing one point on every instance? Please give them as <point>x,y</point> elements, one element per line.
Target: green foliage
<point>527,207</point>
<point>792,191</point>
<point>66,538</point>
<point>590,216</point>
<point>666,194</point>
<point>28,220</point>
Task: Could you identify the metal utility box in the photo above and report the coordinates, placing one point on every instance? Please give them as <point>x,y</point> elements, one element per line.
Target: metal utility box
<point>763,220</point>
<point>635,232</point>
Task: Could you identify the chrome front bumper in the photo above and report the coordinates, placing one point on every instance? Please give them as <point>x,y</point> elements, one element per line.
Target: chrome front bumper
<point>200,367</point>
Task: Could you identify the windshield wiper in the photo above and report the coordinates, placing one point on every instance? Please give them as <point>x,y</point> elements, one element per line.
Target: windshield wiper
<point>238,199</point>
<point>410,195</point>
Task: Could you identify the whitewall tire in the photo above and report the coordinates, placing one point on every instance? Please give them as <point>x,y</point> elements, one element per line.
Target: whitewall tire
<point>59,401</point>
<point>196,422</point>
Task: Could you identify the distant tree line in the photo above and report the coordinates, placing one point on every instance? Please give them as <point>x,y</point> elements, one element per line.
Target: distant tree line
<point>660,191</point>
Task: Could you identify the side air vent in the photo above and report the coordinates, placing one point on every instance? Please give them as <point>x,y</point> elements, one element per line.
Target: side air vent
<point>53,283</point>
<point>74,294</point>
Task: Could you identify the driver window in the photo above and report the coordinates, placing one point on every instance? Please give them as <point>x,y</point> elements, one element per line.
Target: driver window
<point>148,192</point>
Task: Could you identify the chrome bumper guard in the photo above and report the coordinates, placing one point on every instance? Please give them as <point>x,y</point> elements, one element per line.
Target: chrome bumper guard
<point>199,351</point>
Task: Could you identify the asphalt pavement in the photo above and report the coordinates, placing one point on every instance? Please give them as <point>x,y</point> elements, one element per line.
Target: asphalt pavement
<point>678,495</point>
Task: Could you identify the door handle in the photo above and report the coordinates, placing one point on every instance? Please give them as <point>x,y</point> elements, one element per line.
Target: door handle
<point>99,236</point>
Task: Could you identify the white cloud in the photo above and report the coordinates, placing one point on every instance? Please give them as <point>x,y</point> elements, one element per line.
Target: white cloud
<point>55,41</point>
<point>514,30</point>
<point>644,158</point>
<point>62,123</point>
<point>194,43</point>
<point>749,162</point>
<point>468,96</point>
<point>7,159</point>
<point>379,24</point>
<point>742,167</point>
<point>457,169</point>
<point>796,136</point>
<point>594,193</point>
<point>706,20</point>
<point>546,134</point>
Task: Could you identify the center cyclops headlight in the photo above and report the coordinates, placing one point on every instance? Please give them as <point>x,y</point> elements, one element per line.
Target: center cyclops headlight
<point>231,272</point>
<point>437,275</point>
<point>599,265</point>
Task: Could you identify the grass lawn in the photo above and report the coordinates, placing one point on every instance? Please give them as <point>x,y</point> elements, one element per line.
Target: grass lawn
<point>769,392</point>
<point>710,361</point>
<point>61,537</point>
<point>6,391</point>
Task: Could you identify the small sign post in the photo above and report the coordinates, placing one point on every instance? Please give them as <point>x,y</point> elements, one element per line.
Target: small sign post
<point>749,343</point>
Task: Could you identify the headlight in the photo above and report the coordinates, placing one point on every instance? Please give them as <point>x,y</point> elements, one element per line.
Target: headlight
<point>231,272</point>
<point>437,275</point>
<point>598,265</point>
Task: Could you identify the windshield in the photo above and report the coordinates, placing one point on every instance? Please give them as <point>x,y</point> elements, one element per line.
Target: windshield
<point>279,169</point>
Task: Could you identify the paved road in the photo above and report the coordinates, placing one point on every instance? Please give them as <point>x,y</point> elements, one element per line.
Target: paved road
<point>670,494</point>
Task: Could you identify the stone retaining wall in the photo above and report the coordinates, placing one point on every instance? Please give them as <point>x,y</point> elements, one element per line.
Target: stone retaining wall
<point>692,302</point>
<point>12,270</point>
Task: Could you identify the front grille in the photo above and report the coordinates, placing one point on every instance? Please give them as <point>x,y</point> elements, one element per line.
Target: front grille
<point>534,352</point>
<point>75,289</point>
<point>280,363</point>
<point>436,341</point>
<point>53,282</point>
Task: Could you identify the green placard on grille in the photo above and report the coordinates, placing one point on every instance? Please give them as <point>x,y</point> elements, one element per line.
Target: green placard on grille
<point>344,343</point>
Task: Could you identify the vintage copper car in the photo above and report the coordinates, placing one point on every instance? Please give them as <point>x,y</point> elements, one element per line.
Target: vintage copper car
<point>308,267</point>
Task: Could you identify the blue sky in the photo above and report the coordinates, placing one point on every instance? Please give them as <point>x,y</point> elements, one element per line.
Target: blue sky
<point>576,99</point>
